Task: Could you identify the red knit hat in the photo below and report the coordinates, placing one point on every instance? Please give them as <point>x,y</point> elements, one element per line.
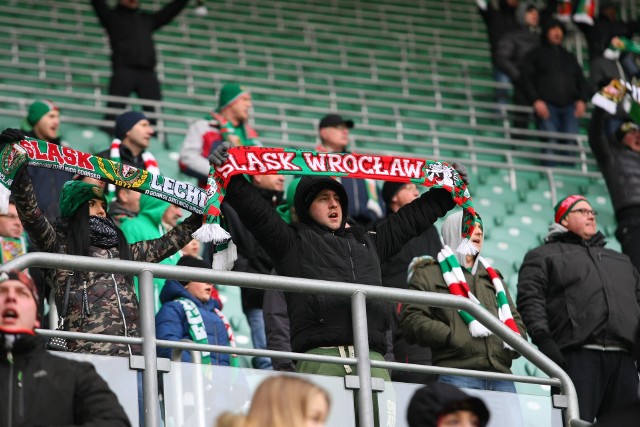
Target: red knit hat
<point>563,207</point>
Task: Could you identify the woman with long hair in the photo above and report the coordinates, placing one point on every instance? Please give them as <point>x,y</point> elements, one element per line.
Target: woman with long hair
<point>92,302</point>
<point>283,401</point>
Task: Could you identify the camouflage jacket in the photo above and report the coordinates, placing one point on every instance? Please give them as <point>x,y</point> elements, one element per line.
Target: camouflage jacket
<point>99,303</point>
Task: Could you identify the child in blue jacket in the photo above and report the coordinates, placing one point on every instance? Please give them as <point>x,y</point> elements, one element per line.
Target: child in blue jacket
<point>189,312</point>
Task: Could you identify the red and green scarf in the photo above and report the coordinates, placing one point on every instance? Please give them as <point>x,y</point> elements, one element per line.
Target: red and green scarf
<point>263,161</point>
<point>249,160</point>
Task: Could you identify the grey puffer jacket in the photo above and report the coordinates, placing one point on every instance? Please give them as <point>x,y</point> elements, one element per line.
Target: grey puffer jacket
<point>112,307</point>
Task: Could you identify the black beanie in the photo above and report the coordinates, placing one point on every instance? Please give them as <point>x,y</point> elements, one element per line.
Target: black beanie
<point>190,261</point>
<point>307,190</point>
<point>389,189</point>
<point>437,399</point>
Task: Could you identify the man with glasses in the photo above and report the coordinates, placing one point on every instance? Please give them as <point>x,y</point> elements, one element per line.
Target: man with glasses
<point>580,304</point>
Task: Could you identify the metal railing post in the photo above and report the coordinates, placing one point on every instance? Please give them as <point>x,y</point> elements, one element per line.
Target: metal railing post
<point>361,345</point>
<point>148,333</point>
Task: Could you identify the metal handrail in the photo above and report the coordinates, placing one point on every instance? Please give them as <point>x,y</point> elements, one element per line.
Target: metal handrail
<point>357,292</point>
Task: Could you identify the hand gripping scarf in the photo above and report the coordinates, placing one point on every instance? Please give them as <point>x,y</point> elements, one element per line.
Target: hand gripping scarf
<point>242,160</point>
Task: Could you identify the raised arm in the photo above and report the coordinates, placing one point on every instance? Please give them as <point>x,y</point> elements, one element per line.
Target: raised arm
<point>266,225</point>
<point>167,13</point>
<point>102,11</point>
<point>40,231</point>
<point>158,249</point>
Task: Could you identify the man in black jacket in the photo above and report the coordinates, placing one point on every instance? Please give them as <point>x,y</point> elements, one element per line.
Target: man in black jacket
<point>552,81</point>
<point>321,247</point>
<point>580,303</point>
<point>133,54</point>
<point>618,157</point>
<point>42,388</point>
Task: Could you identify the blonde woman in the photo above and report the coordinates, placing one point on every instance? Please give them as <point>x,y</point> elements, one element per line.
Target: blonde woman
<point>283,401</point>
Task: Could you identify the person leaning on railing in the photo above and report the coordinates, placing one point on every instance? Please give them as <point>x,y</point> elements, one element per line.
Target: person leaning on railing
<point>92,302</point>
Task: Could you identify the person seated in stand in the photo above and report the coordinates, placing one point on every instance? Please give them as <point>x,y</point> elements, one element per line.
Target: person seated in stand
<point>189,312</point>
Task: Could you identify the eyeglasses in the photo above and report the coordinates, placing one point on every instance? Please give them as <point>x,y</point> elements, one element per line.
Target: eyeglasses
<point>585,212</point>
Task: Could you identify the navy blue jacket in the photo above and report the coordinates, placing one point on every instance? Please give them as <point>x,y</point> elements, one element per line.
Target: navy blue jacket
<point>171,322</point>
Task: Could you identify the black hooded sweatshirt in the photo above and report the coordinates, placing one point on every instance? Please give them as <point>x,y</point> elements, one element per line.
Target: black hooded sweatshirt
<point>351,255</point>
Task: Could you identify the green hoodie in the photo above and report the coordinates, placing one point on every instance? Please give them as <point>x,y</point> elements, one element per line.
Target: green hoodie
<point>148,225</point>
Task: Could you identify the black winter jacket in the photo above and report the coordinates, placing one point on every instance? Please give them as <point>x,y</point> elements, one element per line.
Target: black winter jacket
<point>41,389</point>
<point>513,48</point>
<point>350,255</point>
<point>130,31</point>
<point>579,292</point>
<point>552,74</point>
<point>619,165</point>
<point>499,21</point>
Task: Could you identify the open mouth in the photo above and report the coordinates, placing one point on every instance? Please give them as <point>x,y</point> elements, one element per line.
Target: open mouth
<point>333,215</point>
<point>9,314</point>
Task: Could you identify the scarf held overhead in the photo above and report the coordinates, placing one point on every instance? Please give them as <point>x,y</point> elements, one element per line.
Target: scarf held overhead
<point>242,160</point>
<point>262,161</point>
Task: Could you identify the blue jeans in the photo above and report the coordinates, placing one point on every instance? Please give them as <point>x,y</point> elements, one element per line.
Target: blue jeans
<point>502,94</point>
<point>562,120</point>
<point>478,383</point>
<point>259,337</point>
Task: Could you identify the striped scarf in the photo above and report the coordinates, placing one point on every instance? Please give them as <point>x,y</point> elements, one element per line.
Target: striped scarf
<point>150,162</point>
<point>233,360</point>
<point>199,333</point>
<point>454,278</point>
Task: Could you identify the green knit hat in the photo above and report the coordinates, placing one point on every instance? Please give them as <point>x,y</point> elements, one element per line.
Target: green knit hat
<point>75,193</point>
<point>229,93</point>
<point>36,111</point>
<point>284,210</point>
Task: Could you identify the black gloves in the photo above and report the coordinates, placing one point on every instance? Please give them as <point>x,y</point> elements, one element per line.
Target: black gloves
<point>550,349</point>
<point>220,154</point>
<point>9,136</point>
<point>462,171</point>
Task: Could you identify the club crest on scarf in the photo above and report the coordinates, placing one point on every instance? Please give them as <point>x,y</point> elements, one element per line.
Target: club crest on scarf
<point>250,160</point>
